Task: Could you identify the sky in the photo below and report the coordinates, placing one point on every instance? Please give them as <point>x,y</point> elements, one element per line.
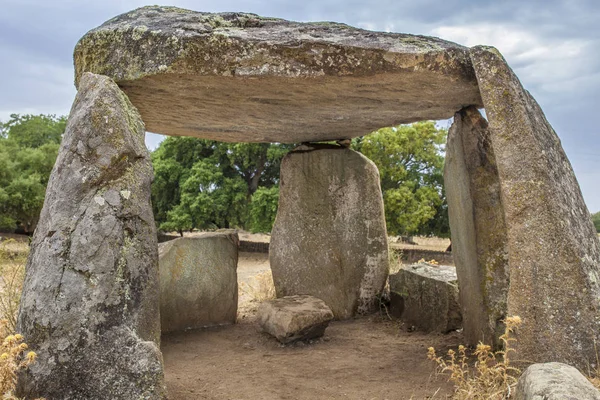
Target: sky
<point>553,46</point>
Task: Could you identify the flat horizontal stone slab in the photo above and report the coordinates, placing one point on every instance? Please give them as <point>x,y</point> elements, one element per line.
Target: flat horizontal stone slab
<point>428,297</point>
<point>242,77</point>
<point>294,318</point>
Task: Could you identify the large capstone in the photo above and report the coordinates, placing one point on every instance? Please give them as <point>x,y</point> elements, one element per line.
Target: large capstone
<point>479,244</point>
<point>242,77</point>
<point>90,303</point>
<point>329,239</point>
<point>198,281</point>
<point>553,250</point>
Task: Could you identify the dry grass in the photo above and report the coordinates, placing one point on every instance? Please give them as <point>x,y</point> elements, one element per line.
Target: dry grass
<point>492,377</point>
<point>262,289</point>
<point>13,256</point>
<point>594,375</point>
<point>13,356</point>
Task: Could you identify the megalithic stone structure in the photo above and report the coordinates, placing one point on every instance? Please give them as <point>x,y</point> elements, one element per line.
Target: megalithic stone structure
<point>553,249</point>
<point>90,303</point>
<point>479,244</point>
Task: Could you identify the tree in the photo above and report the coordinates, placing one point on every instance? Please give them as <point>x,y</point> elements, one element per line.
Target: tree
<point>596,221</point>
<point>28,149</point>
<point>263,209</point>
<point>410,160</point>
<point>204,183</point>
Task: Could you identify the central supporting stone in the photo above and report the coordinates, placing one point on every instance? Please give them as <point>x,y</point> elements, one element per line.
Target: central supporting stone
<point>329,238</point>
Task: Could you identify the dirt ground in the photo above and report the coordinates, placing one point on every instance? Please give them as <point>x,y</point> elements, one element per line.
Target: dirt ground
<point>365,358</point>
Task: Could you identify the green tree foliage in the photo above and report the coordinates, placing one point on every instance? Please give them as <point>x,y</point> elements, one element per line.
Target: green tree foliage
<point>263,209</point>
<point>596,221</point>
<point>208,184</point>
<point>410,159</point>
<point>28,149</point>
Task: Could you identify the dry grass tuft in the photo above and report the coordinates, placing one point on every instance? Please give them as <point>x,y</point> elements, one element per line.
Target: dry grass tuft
<point>13,256</point>
<point>262,289</point>
<point>492,377</point>
<point>594,375</point>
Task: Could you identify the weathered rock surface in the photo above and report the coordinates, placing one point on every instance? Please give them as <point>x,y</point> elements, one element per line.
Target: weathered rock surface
<point>554,381</point>
<point>242,77</point>
<point>90,303</point>
<point>479,243</point>
<point>329,239</point>
<point>553,249</point>
<point>430,296</point>
<point>198,281</point>
<point>294,318</point>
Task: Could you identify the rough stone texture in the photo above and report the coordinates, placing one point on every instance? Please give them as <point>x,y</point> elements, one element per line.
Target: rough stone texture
<point>90,300</point>
<point>554,381</point>
<point>294,318</point>
<point>198,281</point>
<point>430,294</point>
<point>553,249</point>
<point>329,239</point>
<point>479,243</point>
<point>242,77</point>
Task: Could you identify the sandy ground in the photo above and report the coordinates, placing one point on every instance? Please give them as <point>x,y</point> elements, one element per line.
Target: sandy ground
<point>365,358</point>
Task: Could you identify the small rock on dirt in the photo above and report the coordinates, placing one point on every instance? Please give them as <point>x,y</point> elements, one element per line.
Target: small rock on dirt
<point>294,318</point>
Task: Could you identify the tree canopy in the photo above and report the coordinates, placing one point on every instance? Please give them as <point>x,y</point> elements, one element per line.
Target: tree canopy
<point>209,184</point>
<point>28,149</point>
<point>410,159</point>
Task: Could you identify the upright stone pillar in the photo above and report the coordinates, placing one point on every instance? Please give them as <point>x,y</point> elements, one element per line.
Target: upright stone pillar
<point>329,238</point>
<point>477,224</point>
<point>90,303</point>
<point>553,249</point>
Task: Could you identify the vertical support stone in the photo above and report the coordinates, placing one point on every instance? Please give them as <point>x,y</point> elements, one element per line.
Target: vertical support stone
<point>329,238</point>
<point>553,249</point>
<point>90,303</point>
<point>479,243</point>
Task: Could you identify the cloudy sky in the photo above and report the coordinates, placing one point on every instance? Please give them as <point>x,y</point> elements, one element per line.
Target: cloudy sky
<point>553,45</point>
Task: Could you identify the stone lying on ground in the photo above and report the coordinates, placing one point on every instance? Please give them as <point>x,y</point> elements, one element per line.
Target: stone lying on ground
<point>198,281</point>
<point>245,78</point>
<point>478,229</point>
<point>90,299</point>
<point>329,239</point>
<point>554,381</point>
<point>553,248</point>
<point>294,318</point>
<point>429,296</point>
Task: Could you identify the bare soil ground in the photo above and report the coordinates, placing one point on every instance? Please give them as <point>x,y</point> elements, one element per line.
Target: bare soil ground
<point>365,358</point>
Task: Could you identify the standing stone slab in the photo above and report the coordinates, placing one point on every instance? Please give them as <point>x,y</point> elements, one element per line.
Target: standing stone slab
<point>553,249</point>
<point>241,77</point>
<point>90,299</point>
<point>198,281</point>
<point>479,243</point>
<point>430,296</point>
<point>329,239</point>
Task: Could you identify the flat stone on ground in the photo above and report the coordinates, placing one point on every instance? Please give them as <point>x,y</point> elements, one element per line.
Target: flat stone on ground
<point>241,77</point>
<point>430,296</point>
<point>294,318</point>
